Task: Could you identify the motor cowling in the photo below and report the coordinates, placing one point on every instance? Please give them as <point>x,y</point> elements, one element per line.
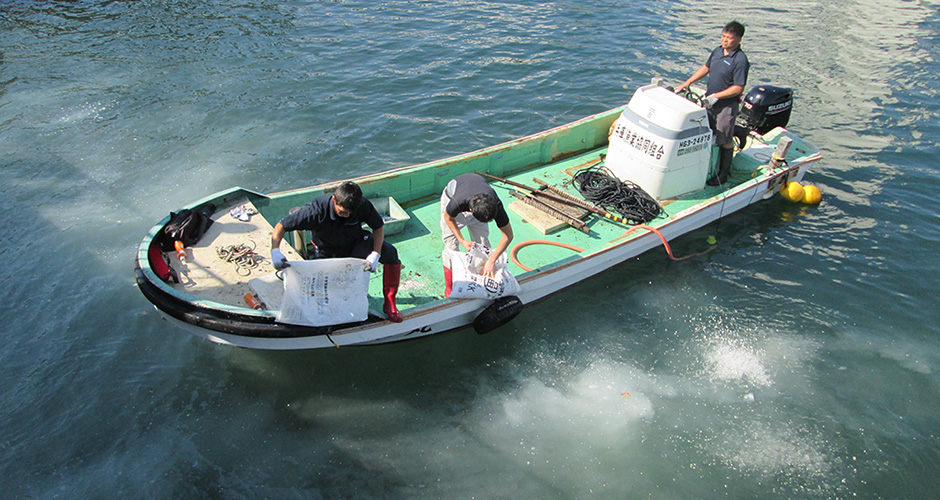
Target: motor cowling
<point>765,108</point>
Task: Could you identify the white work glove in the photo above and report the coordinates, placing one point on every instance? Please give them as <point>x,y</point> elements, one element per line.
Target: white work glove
<point>278,260</point>
<point>710,100</point>
<point>372,262</point>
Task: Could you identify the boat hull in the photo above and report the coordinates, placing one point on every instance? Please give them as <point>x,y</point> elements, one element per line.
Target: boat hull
<point>239,326</point>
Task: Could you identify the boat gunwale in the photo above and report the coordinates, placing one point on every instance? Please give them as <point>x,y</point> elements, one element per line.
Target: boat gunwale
<point>453,159</point>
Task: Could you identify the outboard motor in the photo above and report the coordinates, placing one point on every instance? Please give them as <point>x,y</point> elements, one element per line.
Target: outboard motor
<point>764,108</point>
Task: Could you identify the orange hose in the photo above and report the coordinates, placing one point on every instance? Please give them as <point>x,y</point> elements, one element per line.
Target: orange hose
<point>540,242</point>
<point>661,237</point>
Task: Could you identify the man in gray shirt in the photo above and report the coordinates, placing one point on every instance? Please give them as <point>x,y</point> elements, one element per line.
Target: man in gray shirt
<point>727,68</point>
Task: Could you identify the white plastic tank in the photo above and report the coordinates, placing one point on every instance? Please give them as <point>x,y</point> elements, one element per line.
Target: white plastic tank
<point>661,142</point>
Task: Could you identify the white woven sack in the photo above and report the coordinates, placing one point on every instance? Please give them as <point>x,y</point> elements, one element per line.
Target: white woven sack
<point>325,292</point>
<point>468,283</point>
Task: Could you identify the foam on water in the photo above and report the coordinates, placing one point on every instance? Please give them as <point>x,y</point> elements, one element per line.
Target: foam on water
<point>762,437</point>
<point>550,431</point>
<point>795,456</point>
<point>573,426</point>
<point>598,408</point>
<point>733,362</point>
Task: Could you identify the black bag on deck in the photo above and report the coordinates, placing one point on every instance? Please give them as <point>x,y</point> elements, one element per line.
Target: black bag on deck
<point>186,226</point>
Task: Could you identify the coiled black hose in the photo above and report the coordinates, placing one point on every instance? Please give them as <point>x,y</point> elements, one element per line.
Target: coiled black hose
<point>599,186</point>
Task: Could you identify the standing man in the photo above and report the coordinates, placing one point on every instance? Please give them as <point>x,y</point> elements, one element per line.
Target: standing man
<point>336,223</point>
<point>468,201</point>
<point>727,68</point>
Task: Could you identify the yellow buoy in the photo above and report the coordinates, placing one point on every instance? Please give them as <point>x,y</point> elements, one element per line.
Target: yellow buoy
<point>793,191</point>
<point>811,195</point>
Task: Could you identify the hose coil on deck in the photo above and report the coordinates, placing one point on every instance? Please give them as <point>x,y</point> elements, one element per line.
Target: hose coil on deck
<point>599,186</point>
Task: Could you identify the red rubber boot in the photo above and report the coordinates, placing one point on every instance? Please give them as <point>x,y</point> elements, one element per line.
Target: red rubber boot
<point>448,281</point>
<point>391,275</point>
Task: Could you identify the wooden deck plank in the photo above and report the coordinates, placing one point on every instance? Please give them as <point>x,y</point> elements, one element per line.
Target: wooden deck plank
<point>209,277</point>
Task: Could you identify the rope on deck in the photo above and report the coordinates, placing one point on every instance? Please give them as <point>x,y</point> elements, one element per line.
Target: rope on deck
<point>599,186</point>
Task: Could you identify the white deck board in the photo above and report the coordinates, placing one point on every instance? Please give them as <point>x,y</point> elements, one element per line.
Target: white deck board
<point>208,277</point>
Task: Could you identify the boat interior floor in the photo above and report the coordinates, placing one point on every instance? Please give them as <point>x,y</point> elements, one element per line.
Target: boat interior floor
<point>210,276</point>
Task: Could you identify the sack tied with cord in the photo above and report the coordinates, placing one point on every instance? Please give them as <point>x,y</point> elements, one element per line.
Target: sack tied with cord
<point>470,284</point>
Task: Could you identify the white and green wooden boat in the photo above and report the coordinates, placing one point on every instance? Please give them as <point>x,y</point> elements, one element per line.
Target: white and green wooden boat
<point>210,300</point>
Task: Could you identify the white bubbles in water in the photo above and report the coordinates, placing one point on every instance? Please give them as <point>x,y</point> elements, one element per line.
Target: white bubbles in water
<point>786,451</point>
<point>735,361</point>
<point>733,407</point>
<point>577,431</point>
<point>606,398</point>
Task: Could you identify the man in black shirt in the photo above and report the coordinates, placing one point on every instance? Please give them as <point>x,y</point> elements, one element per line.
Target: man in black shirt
<point>727,67</point>
<point>468,201</point>
<point>335,222</point>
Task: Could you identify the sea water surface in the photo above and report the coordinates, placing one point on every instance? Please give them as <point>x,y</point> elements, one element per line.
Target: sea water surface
<point>798,360</point>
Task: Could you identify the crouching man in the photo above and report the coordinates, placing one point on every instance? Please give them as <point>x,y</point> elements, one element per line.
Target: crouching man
<point>335,222</point>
